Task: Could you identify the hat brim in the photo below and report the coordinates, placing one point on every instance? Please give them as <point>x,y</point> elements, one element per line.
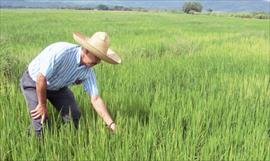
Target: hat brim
<point>109,57</point>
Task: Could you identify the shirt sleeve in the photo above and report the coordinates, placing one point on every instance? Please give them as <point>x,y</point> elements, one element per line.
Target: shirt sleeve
<point>90,84</point>
<point>47,63</point>
<point>46,67</point>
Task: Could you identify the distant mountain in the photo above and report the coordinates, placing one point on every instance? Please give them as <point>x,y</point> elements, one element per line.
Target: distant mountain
<point>216,5</point>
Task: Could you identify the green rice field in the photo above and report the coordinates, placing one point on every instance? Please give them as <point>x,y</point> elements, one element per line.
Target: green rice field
<point>191,87</point>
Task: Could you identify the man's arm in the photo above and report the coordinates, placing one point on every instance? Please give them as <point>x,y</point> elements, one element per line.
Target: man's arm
<point>102,111</point>
<point>41,109</point>
<point>41,86</point>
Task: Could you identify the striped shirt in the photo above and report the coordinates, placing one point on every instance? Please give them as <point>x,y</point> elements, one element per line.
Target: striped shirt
<point>60,64</point>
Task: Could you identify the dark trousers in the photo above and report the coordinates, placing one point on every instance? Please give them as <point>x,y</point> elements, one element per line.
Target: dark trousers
<point>63,100</point>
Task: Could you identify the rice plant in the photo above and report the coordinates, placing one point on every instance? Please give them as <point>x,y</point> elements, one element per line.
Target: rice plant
<point>191,87</point>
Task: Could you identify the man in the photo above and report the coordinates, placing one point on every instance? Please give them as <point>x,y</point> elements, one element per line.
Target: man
<point>60,65</point>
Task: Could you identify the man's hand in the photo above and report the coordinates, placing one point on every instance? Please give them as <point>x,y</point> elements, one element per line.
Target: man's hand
<point>113,127</point>
<point>40,111</point>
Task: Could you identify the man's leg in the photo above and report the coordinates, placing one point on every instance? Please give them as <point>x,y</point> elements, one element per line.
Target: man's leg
<point>29,91</point>
<point>64,101</point>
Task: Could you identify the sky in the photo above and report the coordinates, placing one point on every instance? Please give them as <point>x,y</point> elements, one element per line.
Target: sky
<point>216,5</point>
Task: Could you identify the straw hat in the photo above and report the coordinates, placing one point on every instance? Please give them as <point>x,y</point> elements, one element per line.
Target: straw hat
<point>98,44</point>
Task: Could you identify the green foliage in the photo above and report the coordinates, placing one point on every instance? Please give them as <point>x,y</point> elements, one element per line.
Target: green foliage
<point>102,7</point>
<point>257,15</point>
<point>189,88</point>
<point>210,10</point>
<point>261,15</point>
<point>121,8</point>
<point>9,63</point>
<point>191,7</point>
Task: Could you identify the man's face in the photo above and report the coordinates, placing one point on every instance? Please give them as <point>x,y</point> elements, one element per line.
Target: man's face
<point>88,58</point>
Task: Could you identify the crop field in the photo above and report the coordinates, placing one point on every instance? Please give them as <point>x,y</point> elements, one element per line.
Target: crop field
<point>191,87</point>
